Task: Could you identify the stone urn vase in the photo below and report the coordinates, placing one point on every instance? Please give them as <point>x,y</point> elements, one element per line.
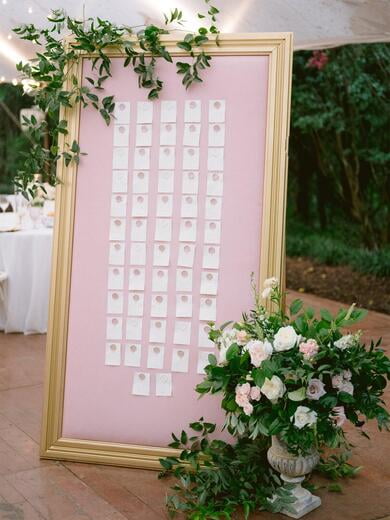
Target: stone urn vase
<point>292,469</point>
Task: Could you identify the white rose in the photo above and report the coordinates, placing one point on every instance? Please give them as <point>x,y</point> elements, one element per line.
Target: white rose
<point>285,338</point>
<point>271,282</point>
<point>266,293</point>
<point>273,388</point>
<point>304,417</point>
<point>344,342</point>
<point>347,387</point>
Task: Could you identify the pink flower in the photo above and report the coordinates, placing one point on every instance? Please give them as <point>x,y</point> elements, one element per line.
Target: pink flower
<point>242,337</point>
<point>309,348</point>
<point>347,375</point>
<point>259,351</point>
<point>318,60</point>
<point>242,400</point>
<point>255,393</point>
<point>243,389</point>
<point>248,409</point>
<point>337,381</point>
<point>338,416</point>
<point>316,389</point>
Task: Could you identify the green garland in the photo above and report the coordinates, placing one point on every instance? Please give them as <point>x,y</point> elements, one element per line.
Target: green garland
<point>54,64</point>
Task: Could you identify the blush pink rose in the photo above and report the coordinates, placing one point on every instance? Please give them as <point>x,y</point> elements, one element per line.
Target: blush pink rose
<point>243,389</point>
<point>242,337</point>
<point>337,381</point>
<point>315,389</point>
<point>309,348</point>
<point>255,393</point>
<point>242,400</point>
<point>338,416</point>
<point>259,351</point>
<point>248,409</point>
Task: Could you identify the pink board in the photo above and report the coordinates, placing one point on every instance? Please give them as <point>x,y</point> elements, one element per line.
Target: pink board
<point>99,400</point>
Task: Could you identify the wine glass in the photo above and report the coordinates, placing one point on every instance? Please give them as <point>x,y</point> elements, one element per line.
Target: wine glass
<point>35,215</point>
<point>4,203</point>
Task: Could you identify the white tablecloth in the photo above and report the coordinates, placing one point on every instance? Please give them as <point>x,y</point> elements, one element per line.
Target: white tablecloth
<point>26,257</point>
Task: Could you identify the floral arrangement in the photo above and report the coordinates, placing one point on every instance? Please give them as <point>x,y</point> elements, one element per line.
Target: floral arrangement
<point>284,373</point>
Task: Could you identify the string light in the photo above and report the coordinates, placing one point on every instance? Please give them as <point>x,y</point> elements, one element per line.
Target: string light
<point>14,82</point>
<point>2,79</point>
<point>4,2</point>
<point>9,37</point>
<point>30,10</point>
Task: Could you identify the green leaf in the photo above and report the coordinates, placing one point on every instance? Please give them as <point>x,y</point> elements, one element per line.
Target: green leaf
<point>326,315</point>
<point>232,352</point>
<point>296,306</point>
<point>297,395</point>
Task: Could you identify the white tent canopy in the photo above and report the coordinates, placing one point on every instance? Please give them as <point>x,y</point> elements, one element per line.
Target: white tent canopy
<point>315,23</point>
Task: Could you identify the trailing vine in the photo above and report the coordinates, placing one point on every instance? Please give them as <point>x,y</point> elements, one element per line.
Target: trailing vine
<point>46,76</point>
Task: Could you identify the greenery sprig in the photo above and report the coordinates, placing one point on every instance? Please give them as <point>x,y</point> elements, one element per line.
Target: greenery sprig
<point>47,73</point>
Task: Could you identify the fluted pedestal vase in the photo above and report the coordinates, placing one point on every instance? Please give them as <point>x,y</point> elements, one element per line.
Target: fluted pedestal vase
<point>292,470</point>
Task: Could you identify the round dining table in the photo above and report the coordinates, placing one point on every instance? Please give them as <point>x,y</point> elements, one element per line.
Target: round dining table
<point>25,258</point>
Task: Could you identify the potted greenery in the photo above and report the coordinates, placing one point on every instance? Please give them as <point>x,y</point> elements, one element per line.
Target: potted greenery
<point>290,380</point>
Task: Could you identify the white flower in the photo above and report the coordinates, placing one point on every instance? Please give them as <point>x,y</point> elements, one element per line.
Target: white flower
<point>347,375</point>
<point>266,293</point>
<point>259,351</point>
<point>347,387</point>
<point>273,388</point>
<point>227,339</point>
<point>304,417</point>
<point>285,338</point>
<point>337,380</point>
<point>271,282</point>
<point>222,355</point>
<point>315,389</point>
<point>344,342</point>
<point>338,416</point>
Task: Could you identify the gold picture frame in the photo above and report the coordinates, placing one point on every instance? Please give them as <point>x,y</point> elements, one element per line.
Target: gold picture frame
<point>278,47</point>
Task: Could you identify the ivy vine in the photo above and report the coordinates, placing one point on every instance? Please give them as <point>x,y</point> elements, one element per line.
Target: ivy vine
<point>47,73</point>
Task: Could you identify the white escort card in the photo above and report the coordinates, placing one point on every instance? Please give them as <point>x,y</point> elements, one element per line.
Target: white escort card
<point>217,111</point>
<point>143,135</point>
<point>190,158</point>
<point>155,356</point>
<point>120,158</point>
<point>137,279</point>
<point>183,280</point>
<point>183,306</point>
<point>114,302</point>
<point>118,205</point>
<point>215,160</point>
<point>182,333</point>
<point>116,253</point>
<point>157,333</point>
<point>213,208</point>
<point>163,230</point>
<point>140,206</point>
<point>189,206</point>
<point>165,181</point>
<point>215,184</point>
<point>122,112</point>
<point>114,328</point>
<point>141,182</point>
<point>212,232</point>
<point>187,231</point>
<point>144,112</point>
<point>166,159</point>
<point>161,253</point>
<point>134,328</point>
<point>208,309</point>
<point>119,181</point>
<point>216,134</point>
<point>164,205</point>
<point>192,111</point>
<point>167,134</point>
<point>141,383</point>
<point>209,282</point>
<point>191,136</point>
<point>115,278</point>
<point>135,304</point>
<point>138,230</point>
<point>168,112</point>
<point>117,229</point>
<point>190,182</point>
<point>113,354</point>
<point>180,360</point>
<point>203,339</point>
<point>160,280</point>
<point>121,135</point>
<point>142,158</point>
<point>133,355</point>
<point>210,257</point>
<point>186,255</point>
<point>138,253</point>
<point>159,307</point>
<point>164,385</point>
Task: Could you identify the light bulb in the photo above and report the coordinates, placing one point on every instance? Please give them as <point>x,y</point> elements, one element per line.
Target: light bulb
<point>4,2</point>
<point>30,10</point>
<point>2,79</point>
<point>9,37</point>
<point>14,82</point>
